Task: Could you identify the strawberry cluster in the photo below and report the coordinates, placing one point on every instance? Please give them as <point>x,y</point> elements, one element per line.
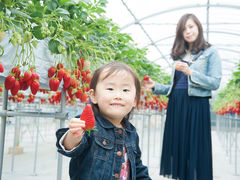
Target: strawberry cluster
<point>75,82</point>
<point>15,81</point>
<point>230,108</point>
<point>18,98</point>
<point>154,102</point>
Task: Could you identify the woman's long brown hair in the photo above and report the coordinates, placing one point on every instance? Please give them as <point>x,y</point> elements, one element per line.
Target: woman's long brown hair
<point>180,44</point>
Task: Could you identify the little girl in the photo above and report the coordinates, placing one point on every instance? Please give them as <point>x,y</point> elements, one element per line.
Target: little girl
<point>112,151</point>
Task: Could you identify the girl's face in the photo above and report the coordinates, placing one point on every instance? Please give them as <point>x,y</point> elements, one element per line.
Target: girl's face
<point>190,32</point>
<point>115,95</point>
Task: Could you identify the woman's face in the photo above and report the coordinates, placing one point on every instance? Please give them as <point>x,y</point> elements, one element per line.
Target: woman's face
<point>190,32</point>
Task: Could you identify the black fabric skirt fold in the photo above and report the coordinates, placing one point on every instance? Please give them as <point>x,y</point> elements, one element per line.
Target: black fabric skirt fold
<point>187,150</point>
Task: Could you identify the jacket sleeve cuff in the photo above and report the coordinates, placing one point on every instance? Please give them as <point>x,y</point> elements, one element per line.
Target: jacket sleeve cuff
<point>61,133</point>
<point>160,89</point>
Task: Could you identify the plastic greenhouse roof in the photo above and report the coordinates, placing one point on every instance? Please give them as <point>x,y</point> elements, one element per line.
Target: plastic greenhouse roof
<point>152,24</point>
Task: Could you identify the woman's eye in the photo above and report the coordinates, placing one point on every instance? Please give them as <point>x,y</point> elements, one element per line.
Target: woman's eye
<point>126,90</point>
<point>110,89</point>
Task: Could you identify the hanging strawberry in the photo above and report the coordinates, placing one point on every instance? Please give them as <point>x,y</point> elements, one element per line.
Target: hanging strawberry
<point>88,116</point>
<point>51,71</point>
<point>54,84</point>
<point>9,82</point>
<point>1,68</point>
<point>66,80</point>
<point>15,88</point>
<point>35,87</point>
<point>27,75</point>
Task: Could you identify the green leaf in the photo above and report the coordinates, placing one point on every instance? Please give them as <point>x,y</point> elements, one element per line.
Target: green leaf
<point>100,10</point>
<point>19,13</point>
<point>85,1</point>
<point>62,11</point>
<point>37,14</point>
<point>67,36</point>
<point>2,6</point>
<point>115,28</point>
<point>63,2</point>
<point>52,5</point>
<point>53,46</point>
<point>37,32</point>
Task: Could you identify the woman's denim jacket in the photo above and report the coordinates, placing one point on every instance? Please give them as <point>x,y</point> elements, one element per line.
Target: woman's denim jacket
<point>206,75</point>
<point>97,157</point>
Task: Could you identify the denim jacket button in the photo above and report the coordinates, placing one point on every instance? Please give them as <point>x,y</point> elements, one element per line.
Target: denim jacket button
<point>119,131</point>
<point>119,153</point>
<point>116,175</point>
<point>104,143</point>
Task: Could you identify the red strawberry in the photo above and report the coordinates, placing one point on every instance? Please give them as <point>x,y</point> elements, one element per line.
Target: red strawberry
<point>34,76</point>
<point>88,78</point>
<point>78,93</point>
<point>59,66</point>
<point>51,71</point>
<point>60,74</point>
<point>80,63</point>
<point>88,116</point>
<point>9,82</point>
<point>74,83</point>
<point>77,73</point>
<point>15,88</point>
<point>84,97</point>
<point>54,84</point>
<point>146,78</point>
<point>23,84</point>
<point>66,80</point>
<point>1,68</point>
<point>35,87</point>
<point>84,75</point>
<point>27,75</point>
<point>17,71</point>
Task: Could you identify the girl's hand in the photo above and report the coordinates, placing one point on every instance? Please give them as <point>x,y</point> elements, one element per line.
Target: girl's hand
<point>76,126</point>
<point>75,133</point>
<point>181,66</point>
<point>147,83</point>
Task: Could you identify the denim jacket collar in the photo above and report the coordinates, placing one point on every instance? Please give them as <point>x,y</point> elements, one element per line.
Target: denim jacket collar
<point>107,124</point>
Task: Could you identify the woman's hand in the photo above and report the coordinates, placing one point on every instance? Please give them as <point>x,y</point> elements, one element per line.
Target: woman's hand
<point>181,66</point>
<point>147,83</point>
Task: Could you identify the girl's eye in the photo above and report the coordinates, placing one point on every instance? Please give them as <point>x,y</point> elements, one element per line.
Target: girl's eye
<point>109,89</point>
<point>126,90</point>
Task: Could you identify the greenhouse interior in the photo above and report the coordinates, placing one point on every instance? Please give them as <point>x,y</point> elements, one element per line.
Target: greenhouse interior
<point>49,51</point>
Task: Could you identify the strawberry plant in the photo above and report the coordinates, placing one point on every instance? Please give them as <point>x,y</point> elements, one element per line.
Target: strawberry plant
<point>228,99</point>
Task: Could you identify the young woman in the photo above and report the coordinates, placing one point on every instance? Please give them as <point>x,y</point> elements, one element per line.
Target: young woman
<point>112,151</point>
<point>187,149</point>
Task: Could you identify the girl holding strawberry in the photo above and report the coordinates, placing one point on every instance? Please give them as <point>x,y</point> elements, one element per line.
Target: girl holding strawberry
<point>187,149</point>
<point>112,150</point>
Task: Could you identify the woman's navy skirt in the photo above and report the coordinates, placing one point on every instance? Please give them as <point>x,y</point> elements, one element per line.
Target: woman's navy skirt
<point>187,150</point>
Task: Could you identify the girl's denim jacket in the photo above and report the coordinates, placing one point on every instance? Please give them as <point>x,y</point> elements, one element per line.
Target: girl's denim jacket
<point>206,75</point>
<point>98,155</point>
